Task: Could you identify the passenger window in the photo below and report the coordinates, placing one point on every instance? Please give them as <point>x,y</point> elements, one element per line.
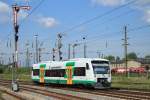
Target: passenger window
<point>87,66</point>
<point>79,71</point>
<point>35,72</point>
<point>55,73</point>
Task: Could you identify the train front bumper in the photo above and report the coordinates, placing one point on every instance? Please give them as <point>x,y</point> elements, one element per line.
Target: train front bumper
<point>102,83</point>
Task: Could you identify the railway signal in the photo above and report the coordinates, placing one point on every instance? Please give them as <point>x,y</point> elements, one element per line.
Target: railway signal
<point>59,39</point>
<point>53,54</point>
<point>16,9</point>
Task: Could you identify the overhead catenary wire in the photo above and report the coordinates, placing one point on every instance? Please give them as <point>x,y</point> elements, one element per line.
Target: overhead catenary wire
<point>99,16</point>
<point>33,10</point>
<point>129,30</point>
<point>111,19</point>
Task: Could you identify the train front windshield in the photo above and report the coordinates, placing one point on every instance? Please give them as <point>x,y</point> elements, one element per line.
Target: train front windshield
<point>101,67</point>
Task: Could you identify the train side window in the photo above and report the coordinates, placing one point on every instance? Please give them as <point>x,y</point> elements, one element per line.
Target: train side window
<point>47,72</point>
<point>35,72</point>
<point>87,66</point>
<point>79,71</point>
<point>55,73</point>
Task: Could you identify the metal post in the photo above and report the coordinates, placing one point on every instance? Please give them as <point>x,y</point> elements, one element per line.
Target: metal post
<point>40,54</point>
<point>99,54</point>
<point>27,55</point>
<point>84,47</point>
<point>36,46</point>
<point>73,52</point>
<point>125,50</point>
<point>73,47</point>
<point>69,51</point>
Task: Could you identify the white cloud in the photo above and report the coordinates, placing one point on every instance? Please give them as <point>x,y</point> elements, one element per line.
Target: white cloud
<point>47,21</point>
<point>147,16</point>
<point>6,13</point>
<point>143,6</point>
<point>4,8</point>
<point>140,5</point>
<point>108,2</point>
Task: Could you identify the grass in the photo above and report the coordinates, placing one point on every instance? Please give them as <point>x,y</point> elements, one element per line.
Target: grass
<point>131,82</point>
<point>23,74</point>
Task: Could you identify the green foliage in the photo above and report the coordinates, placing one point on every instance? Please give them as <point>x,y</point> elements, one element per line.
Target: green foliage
<point>110,58</point>
<point>132,56</point>
<point>2,69</point>
<point>23,73</point>
<point>147,57</point>
<point>22,70</point>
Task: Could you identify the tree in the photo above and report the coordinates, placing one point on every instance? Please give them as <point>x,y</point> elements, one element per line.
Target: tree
<point>110,58</point>
<point>132,56</point>
<point>147,57</point>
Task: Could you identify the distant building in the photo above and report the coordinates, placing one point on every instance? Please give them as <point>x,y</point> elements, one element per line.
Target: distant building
<point>131,63</point>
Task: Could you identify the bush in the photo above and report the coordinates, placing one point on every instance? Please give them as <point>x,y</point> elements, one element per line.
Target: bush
<point>1,70</point>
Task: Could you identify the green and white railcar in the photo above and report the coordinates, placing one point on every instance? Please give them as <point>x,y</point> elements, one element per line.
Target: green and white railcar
<point>94,72</point>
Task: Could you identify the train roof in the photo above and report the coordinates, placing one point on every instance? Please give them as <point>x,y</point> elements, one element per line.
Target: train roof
<point>75,59</point>
<point>87,59</point>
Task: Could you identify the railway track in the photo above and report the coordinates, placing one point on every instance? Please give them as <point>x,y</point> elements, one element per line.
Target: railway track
<point>117,93</point>
<point>42,92</point>
<point>12,94</point>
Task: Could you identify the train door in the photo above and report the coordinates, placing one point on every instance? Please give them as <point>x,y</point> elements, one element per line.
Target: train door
<point>69,72</point>
<point>69,75</point>
<point>42,73</point>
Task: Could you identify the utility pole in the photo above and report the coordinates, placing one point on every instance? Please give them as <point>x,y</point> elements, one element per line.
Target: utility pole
<point>73,51</point>
<point>36,47</point>
<point>27,55</point>
<point>99,54</point>
<point>69,47</point>
<point>15,86</point>
<point>40,49</point>
<point>40,55</point>
<point>73,47</point>
<point>125,50</point>
<point>84,47</point>
<point>59,39</point>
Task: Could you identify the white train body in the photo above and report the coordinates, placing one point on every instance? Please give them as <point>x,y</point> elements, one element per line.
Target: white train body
<point>94,72</point>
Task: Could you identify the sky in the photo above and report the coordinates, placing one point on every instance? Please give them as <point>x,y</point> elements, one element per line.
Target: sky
<point>104,33</point>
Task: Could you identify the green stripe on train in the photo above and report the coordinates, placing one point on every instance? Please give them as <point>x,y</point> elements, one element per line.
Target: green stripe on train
<point>85,82</point>
<point>70,64</point>
<point>42,65</point>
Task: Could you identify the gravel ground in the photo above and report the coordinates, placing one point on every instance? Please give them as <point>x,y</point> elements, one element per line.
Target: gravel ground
<point>34,96</point>
<point>80,94</point>
<point>25,94</point>
<point>7,97</point>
